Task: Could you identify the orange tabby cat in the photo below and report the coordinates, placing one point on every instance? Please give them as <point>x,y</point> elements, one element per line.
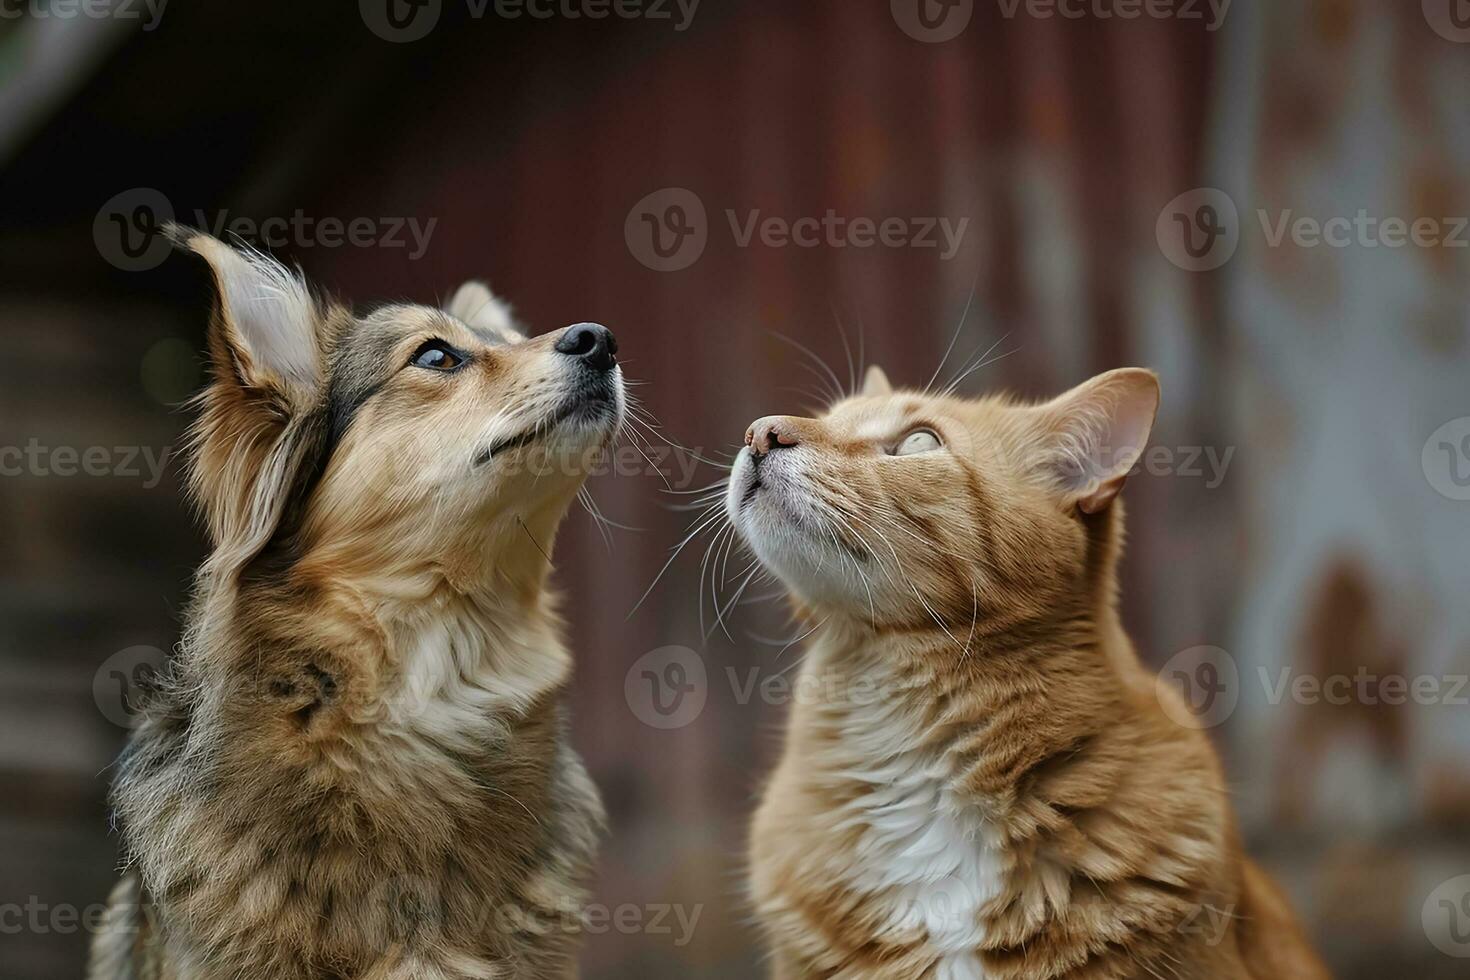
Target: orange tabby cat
<point>982,782</point>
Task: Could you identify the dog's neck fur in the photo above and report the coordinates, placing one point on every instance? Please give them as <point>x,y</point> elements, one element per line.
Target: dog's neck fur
<point>374,731</point>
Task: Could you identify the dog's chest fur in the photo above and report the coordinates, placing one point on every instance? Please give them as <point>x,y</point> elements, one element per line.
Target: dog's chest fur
<point>426,819</point>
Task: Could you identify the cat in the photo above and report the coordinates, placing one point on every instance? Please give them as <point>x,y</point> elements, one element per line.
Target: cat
<point>356,765</point>
<point>988,784</point>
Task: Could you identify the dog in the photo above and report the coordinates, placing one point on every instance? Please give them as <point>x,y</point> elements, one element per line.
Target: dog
<point>356,763</point>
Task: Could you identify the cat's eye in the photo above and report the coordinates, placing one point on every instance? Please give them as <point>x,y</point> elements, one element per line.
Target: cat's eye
<point>918,441</point>
<point>436,355</point>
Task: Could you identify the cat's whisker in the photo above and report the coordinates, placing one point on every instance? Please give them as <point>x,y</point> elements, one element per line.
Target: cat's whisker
<point>750,572</point>
<point>974,619</point>
<point>830,375</point>
<point>718,582</point>
<point>726,533</point>
<point>880,511</point>
<point>797,639</point>
<point>653,431</point>
<point>699,505</point>
<point>953,340</point>
<point>816,401</point>
<point>829,394</point>
<point>867,586</point>
<point>633,436</point>
<point>602,523</point>
<point>717,485</point>
<point>908,581</point>
<point>852,375</point>
<point>985,362</point>
<point>701,524</point>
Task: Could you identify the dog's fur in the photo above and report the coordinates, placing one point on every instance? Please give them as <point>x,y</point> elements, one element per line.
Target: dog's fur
<point>356,764</point>
<point>984,783</point>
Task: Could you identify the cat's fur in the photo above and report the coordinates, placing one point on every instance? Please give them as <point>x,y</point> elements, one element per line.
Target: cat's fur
<point>356,765</point>
<point>984,782</point>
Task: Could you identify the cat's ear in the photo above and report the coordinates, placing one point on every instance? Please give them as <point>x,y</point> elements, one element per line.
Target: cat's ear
<point>257,413</point>
<point>875,383</point>
<point>476,305</point>
<point>1092,436</point>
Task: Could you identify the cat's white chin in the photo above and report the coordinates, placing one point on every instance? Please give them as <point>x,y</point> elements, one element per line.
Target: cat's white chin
<point>778,518</point>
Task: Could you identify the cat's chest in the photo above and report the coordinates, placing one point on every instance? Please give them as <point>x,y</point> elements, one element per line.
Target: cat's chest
<point>924,856</point>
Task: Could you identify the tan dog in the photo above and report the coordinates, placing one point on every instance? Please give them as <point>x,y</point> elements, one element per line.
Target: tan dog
<point>985,784</point>
<point>356,765</point>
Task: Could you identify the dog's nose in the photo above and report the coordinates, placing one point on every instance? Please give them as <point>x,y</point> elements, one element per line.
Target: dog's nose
<point>771,432</point>
<point>592,342</point>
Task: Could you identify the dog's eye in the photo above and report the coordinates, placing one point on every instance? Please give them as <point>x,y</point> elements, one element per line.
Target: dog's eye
<point>918,441</point>
<point>436,355</point>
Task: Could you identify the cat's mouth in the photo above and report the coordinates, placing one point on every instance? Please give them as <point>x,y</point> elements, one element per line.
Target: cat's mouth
<point>750,491</point>
<point>786,505</point>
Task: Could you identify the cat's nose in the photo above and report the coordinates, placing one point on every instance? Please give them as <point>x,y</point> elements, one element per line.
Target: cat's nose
<point>771,432</point>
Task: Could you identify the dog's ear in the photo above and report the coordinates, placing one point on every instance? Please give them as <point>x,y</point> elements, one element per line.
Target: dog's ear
<point>260,417</point>
<point>474,304</point>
